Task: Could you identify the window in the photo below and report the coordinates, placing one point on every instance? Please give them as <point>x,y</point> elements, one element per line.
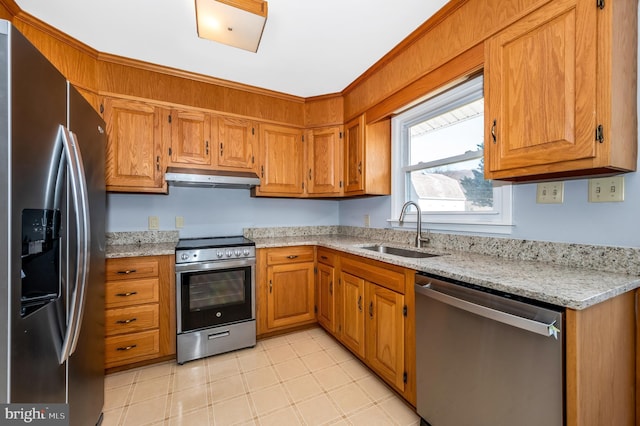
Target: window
<point>438,162</point>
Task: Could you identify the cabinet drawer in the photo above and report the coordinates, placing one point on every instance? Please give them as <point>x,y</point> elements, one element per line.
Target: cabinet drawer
<point>327,257</point>
<point>290,255</point>
<point>376,272</point>
<point>131,292</point>
<point>135,318</point>
<point>127,347</point>
<point>131,268</point>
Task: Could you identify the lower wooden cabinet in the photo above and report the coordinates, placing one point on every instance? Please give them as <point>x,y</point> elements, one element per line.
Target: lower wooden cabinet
<point>351,322</point>
<point>286,288</point>
<point>326,281</point>
<point>140,310</point>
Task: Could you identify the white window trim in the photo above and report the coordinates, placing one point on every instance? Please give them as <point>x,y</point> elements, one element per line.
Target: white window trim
<point>481,222</point>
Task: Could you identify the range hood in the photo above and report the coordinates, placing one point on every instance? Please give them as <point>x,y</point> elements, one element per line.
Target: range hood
<point>211,178</point>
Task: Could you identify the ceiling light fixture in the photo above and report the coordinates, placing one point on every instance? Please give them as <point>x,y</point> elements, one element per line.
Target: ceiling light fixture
<point>237,23</point>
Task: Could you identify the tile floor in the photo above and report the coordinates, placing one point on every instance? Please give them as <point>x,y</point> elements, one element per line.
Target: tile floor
<point>302,378</point>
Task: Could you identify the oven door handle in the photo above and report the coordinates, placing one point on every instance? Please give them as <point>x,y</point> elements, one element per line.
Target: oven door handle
<point>212,266</point>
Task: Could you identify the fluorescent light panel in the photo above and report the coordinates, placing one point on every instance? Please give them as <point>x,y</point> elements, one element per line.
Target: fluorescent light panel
<point>237,23</point>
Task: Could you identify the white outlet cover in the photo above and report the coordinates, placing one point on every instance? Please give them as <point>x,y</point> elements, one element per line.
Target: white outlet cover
<point>550,193</point>
<point>606,190</point>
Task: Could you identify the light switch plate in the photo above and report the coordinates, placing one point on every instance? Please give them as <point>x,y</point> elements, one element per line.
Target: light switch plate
<point>179,222</point>
<point>605,190</point>
<point>550,193</point>
<point>154,223</point>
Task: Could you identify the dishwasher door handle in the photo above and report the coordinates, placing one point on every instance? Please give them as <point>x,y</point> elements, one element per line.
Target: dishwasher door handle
<point>537,327</point>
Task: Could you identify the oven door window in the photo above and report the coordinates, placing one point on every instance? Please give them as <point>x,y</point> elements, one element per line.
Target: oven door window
<point>217,297</point>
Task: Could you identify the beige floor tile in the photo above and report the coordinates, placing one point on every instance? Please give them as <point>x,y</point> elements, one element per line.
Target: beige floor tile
<point>227,388</point>
<point>318,361</point>
<point>154,371</point>
<point>306,346</point>
<point>269,399</point>
<point>291,369</point>
<point>350,398</point>
<point>355,369</point>
<point>196,418</point>
<point>375,388</point>
<point>302,388</point>
<point>399,412</point>
<point>331,377</point>
<point>184,401</point>
<point>223,368</point>
<point>232,411</point>
<point>281,353</point>
<point>117,380</point>
<point>116,397</point>
<point>146,412</point>
<point>260,378</point>
<point>149,389</point>
<point>253,360</point>
<point>318,410</point>
<point>326,341</point>
<point>272,342</point>
<point>112,417</point>
<point>297,336</point>
<point>340,354</point>
<point>283,417</point>
<point>372,416</point>
<point>190,375</point>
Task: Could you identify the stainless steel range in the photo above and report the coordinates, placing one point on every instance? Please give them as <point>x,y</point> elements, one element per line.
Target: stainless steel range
<point>215,296</point>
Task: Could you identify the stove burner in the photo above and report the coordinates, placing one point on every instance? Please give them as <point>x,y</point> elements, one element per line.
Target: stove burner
<point>191,250</point>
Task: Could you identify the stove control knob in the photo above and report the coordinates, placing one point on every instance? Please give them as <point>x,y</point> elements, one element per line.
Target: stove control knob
<point>246,252</point>
<point>238,253</point>
<point>185,256</point>
<point>229,253</point>
<point>219,253</point>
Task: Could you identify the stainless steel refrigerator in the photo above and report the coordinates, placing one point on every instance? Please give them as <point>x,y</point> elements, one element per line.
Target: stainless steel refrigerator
<point>52,215</point>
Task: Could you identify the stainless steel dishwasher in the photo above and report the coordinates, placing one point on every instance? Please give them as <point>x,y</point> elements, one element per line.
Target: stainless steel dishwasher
<point>486,358</point>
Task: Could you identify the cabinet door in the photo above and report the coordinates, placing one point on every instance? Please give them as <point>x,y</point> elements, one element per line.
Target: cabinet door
<point>291,294</point>
<point>324,161</point>
<point>385,333</point>
<point>190,138</point>
<point>134,146</point>
<point>540,81</point>
<point>236,143</point>
<point>326,299</point>
<point>354,155</point>
<point>352,311</point>
<point>281,156</point>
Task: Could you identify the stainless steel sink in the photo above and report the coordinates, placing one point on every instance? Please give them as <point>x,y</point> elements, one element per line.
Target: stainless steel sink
<point>399,251</point>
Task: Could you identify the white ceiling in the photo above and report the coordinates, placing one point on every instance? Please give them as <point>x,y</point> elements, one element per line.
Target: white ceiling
<point>308,48</point>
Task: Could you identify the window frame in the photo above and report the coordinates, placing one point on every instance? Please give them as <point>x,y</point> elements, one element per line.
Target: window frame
<point>498,221</point>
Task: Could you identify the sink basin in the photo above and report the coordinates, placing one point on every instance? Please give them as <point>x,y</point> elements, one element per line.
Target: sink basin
<point>399,251</point>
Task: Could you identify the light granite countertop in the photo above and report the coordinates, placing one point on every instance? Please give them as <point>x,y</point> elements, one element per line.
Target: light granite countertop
<point>566,286</point>
<point>141,249</point>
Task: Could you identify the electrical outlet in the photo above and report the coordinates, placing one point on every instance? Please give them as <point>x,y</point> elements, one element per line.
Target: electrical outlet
<point>154,223</point>
<point>179,222</point>
<point>604,190</point>
<point>550,193</point>
<point>367,221</point>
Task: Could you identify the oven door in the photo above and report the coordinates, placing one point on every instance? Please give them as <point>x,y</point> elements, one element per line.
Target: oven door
<point>214,293</point>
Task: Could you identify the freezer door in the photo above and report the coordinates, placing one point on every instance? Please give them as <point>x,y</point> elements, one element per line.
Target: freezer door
<point>86,363</point>
<point>36,110</point>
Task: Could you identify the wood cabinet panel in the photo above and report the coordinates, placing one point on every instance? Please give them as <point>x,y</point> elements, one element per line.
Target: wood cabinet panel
<point>354,155</point>
<point>352,303</point>
<point>326,296</point>
<point>132,347</point>
<point>127,320</point>
<point>135,134</point>
<point>131,292</point>
<point>236,143</point>
<point>287,255</point>
<point>281,156</point>
<point>131,268</point>
<point>191,143</point>
<point>291,297</point>
<point>324,161</point>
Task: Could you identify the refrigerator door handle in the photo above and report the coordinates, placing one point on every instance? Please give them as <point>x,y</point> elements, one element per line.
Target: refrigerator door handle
<point>85,243</point>
<point>72,171</point>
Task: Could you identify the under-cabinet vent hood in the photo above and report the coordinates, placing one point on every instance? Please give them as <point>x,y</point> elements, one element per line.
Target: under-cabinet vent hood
<point>211,178</point>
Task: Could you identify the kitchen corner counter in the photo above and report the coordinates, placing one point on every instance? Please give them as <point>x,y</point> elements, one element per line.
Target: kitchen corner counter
<point>142,249</point>
<point>569,287</point>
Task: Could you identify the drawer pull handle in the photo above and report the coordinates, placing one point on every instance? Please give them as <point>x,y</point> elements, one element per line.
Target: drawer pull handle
<point>127,272</point>
<point>218,335</point>
<point>324,257</point>
<point>292,256</point>
<point>270,286</point>
<point>360,303</point>
<point>126,348</point>
<point>330,287</point>
<point>127,321</point>
<point>371,310</point>
<point>127,294</point>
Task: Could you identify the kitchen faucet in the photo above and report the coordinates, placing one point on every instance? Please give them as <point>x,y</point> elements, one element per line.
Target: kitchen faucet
<point>419,238</point>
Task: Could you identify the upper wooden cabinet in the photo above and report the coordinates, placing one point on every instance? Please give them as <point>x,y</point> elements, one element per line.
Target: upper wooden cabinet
<point>281,157</point>
<point>135,135</point>
<point>190,139</point>
<point>324,161</point>
<point>560,92</point>
<point>367,157</point>
<point>237,140</point>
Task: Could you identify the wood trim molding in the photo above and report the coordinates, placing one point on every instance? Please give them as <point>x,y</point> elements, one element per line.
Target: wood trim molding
<point>11,6</point>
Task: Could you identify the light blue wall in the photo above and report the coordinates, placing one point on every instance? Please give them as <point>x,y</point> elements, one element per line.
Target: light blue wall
<point>209,212</point>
